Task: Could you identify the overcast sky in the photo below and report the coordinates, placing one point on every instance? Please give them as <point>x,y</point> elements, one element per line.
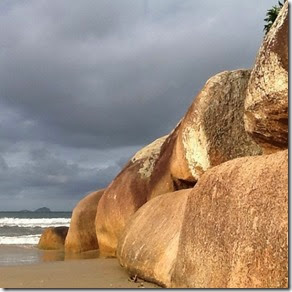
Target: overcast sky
<point>84,84</point>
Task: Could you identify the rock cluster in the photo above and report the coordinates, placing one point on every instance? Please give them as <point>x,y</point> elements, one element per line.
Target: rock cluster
<point>178,160</point>
<point>229,231</point>
<point>206,206</point>
<point>230,228</point>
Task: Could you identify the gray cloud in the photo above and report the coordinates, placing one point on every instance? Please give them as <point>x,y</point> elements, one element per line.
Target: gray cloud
<point>42,176</point>
<point>89,78</point>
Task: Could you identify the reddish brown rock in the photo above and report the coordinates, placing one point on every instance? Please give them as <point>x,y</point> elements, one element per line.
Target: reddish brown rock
<point>235,228</point>
<point>81,235</point>
<point>53,238</point>
<point>148,245</point>
<point>266,105</point>
<point>127,192</point>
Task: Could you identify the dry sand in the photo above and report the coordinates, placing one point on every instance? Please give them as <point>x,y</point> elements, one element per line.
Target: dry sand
<point>88,273</point>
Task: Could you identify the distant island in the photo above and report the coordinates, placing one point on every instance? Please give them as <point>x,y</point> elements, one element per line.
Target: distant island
<point>43,210</point>
<point>39,210</point>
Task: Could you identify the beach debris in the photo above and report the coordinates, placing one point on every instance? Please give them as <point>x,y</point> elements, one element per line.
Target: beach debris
<point>133,278</point>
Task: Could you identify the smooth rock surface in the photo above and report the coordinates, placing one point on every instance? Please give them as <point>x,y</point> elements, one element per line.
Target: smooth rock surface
<point>122,198</point>
<point>148,245</point>
<point>266,105</point>
<point>81,236</point>
<point>235,228</point>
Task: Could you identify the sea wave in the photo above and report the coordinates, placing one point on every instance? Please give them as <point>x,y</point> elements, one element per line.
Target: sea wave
<point>23,240</point>
<point>34,222</point>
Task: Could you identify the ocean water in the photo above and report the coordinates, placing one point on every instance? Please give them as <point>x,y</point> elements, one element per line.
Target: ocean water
<point>21,231</point>
<point>25,228</point>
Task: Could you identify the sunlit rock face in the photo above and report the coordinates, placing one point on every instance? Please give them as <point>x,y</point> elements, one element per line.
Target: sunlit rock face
<point>212,130</point>
<point>266,105</point>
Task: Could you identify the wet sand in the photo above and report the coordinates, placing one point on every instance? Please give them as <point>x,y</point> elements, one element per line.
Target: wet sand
<point>85,273</point>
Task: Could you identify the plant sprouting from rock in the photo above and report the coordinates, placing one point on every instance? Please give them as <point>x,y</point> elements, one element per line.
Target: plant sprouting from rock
<point>271,16</point>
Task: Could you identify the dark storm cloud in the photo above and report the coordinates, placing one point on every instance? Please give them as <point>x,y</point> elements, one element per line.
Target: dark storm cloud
<point>44,177</point>
<point>94,77</point>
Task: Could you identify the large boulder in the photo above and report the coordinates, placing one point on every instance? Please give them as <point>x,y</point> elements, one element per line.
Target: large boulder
<point>235,228</point>
<point>266,105</point>
<point>148,245</point>
<point>211,132</point>
<point>229,231</point>
<point>81,236</point>
<point>124,196</point>
<point>53,238</point>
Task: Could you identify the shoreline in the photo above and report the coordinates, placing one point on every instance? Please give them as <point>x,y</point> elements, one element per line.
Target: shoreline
<point>29,267</point>
<point>85,273</point>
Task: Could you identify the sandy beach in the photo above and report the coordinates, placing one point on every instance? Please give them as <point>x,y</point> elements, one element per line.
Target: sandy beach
<point>87,273</point>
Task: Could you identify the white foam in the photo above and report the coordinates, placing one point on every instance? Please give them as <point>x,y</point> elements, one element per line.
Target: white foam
<point>24,239</point>
<point>34,222</point>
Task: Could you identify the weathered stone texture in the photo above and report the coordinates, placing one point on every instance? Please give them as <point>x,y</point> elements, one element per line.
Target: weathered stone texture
<point>266,105</point>
<point>212,131</point>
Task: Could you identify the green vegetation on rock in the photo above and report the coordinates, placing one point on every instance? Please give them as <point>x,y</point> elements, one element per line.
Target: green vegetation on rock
<point>271,16</point>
